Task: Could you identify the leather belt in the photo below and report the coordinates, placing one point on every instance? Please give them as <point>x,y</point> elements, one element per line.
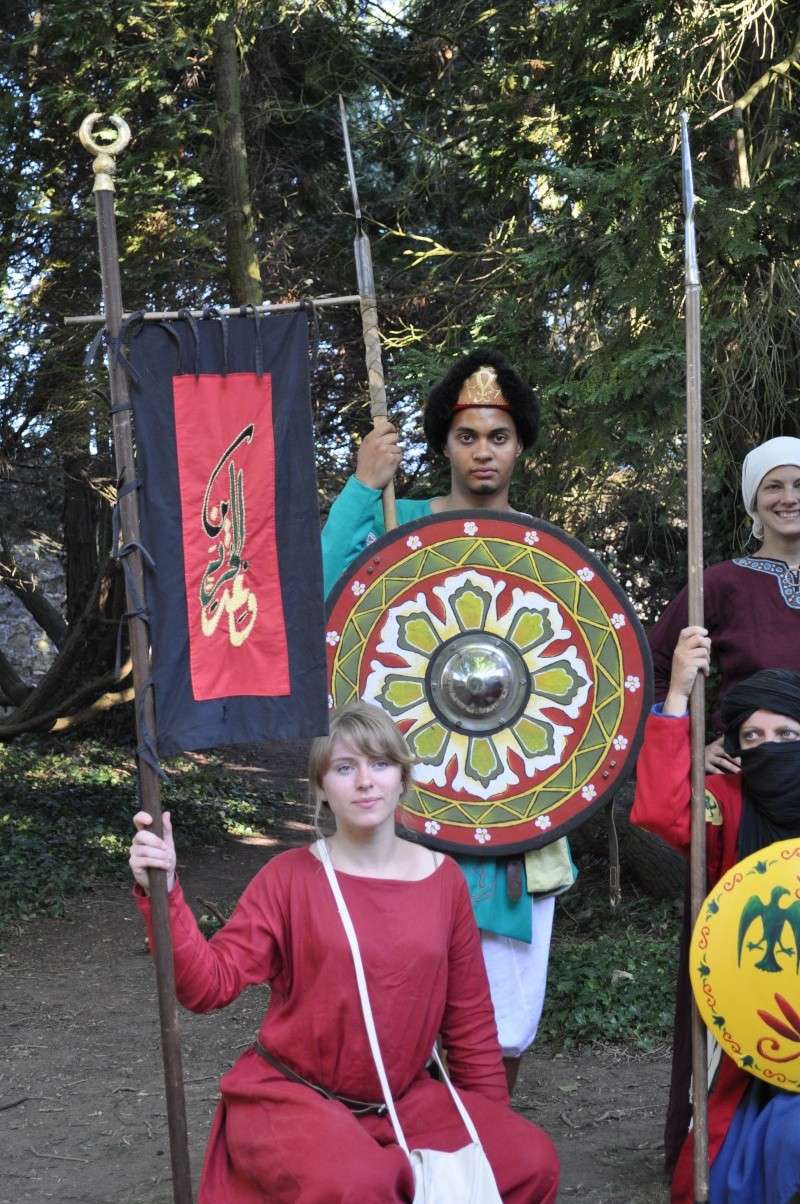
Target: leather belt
<point>358,1107</point>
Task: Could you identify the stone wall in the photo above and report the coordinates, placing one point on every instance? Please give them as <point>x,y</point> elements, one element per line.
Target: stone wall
<point>30,651</point>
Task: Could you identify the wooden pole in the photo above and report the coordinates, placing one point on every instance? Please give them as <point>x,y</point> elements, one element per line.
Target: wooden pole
<point>224,311</point>
<point>697,702</point>
<point>369,322</point>
<point>104,167</point>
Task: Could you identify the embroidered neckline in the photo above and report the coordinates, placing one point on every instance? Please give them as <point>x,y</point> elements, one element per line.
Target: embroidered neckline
<point>788,579</point>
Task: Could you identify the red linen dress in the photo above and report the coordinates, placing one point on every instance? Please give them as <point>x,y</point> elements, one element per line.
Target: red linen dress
<point>278,1141</point>
<point>662,805</point>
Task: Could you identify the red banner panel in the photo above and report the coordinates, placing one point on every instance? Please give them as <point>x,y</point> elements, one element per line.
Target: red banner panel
<point>226,476</point>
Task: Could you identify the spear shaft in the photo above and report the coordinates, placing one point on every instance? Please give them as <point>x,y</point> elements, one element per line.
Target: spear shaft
<point>369,321</point>
<point>697,703</point>
<point>104,167</point>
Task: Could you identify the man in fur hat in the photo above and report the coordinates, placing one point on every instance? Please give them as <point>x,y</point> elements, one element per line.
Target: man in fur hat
<point>481,416</point>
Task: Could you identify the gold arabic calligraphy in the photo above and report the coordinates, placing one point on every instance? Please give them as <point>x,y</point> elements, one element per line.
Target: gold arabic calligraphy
<point>223,590</point>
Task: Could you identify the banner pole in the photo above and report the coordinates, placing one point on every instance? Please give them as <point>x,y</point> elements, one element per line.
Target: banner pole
<point>697,702</point>
<point>369,321</point>
<point>104,167</point>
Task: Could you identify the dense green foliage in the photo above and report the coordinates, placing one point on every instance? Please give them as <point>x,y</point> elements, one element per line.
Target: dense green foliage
<point>519,170</point>
<point>612,970</point>
<point>65,818</point>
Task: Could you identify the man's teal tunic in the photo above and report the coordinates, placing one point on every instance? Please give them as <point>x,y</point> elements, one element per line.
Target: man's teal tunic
<point>355,520</point>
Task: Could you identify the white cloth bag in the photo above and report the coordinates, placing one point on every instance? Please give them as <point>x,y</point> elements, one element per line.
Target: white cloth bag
<point>461,1177</point>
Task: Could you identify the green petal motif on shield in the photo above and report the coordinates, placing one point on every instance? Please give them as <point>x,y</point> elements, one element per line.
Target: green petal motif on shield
<point>417,633</point>
<point>483,761</point>
<point>528,623</point>
<point>470,606</point>
<point>400,692</point>
<point>557,681</point>
<point>530,628</point>
<point>429,743</point>
<point>533,737</point>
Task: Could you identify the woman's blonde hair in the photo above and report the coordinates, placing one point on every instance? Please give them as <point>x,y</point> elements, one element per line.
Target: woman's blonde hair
<point>370,732</point>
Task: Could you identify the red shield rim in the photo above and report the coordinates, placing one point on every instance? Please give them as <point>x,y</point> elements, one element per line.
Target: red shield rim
<point>407,580</point>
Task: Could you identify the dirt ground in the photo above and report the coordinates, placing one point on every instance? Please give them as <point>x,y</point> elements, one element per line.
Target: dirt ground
<point>82,1113</point>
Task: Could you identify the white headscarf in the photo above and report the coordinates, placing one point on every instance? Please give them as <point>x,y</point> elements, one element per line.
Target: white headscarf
<point>760,461</point>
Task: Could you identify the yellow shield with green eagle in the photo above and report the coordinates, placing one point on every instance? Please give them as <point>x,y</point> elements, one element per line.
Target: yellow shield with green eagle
<point>745,964</point>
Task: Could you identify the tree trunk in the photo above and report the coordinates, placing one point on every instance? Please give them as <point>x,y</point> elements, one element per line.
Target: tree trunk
<point>80,517</point>
<point>656,869</point>
<point>25,588</point>
<point>244,273</point>
<point>89,642</point>
<point>13,690</point>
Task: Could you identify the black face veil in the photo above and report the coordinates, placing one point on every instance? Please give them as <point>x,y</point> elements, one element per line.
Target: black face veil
<point>771,772</point>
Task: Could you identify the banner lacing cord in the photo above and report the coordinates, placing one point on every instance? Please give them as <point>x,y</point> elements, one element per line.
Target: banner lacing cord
<point>173,334</point>
<point>310,309</point>
<point>116,349</point>
<point>211,311</point>
<point>146,750</point>
<point>186,315</point>
<point>121,553</point>
<point>251,312</point>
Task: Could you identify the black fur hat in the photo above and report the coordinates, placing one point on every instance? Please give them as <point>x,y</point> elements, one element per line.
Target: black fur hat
<point>522,400</point>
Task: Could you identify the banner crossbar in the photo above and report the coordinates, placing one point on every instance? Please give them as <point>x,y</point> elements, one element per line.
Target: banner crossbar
<point>226,311</point>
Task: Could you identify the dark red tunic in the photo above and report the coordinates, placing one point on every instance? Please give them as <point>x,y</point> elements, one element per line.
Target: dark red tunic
<point>752,612</point>
<point>280,1141</point>
<point>663,805</point>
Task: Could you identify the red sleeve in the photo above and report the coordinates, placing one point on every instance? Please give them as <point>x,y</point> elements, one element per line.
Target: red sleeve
<point>469,1032</point>
<point>210,974</point>
<point>663,800</point>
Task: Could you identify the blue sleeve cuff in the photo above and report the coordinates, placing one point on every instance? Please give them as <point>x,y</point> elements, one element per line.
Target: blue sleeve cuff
<point>658,709</point>
<point>355,486</point>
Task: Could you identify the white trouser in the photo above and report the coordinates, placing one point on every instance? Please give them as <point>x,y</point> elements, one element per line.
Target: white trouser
<point>517,975</point>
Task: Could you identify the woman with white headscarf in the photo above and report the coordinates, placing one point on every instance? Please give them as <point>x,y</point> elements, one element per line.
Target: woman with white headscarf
<point>751,603</point>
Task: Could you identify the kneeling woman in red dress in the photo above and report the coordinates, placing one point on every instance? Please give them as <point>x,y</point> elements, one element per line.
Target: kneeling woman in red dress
<point>301,1117</point>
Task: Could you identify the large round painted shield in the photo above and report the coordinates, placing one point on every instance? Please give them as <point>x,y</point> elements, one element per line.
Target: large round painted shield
<point>513,663</point>
<point>745,963</point>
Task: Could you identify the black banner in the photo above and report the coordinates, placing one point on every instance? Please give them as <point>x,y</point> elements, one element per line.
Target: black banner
<point>230,527</point>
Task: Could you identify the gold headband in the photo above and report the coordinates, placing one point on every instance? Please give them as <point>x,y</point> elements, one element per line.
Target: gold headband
<point>481,389</point>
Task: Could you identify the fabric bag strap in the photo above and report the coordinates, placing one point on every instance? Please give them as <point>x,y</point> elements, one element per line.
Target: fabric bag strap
<point>322,850</point>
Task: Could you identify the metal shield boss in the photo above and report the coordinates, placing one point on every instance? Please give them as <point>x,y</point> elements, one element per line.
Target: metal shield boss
<point>744,962</point>
<point>512,662</point>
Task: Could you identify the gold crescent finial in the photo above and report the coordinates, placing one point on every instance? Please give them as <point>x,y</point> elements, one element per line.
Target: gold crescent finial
<point>105,163</point>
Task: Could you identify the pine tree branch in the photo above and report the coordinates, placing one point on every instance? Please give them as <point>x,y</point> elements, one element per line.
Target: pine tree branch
<point>779,69</point>
<point>746,99</point>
